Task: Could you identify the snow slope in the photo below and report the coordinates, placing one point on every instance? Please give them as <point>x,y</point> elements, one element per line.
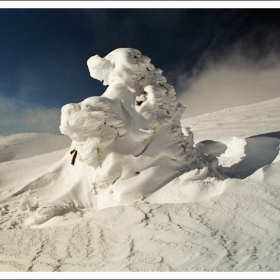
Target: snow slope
<point>24,145</point>
<point>24,155</point>
<point>243,121</point>
<point>194,223</point>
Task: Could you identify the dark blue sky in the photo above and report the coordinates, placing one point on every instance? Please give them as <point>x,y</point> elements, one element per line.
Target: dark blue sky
<point>43,52</point>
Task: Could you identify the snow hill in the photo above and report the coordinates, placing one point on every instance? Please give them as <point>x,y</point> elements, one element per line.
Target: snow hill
<point>25,145</point>
<point>193,223</point>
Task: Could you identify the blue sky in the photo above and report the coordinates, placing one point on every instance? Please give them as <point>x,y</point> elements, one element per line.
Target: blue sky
<point>43,52</point>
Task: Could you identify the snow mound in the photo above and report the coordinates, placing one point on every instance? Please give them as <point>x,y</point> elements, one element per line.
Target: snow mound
<point>240,157</point>
<point>250,159</point>
<point>258,151</point>
<point>127,143</point>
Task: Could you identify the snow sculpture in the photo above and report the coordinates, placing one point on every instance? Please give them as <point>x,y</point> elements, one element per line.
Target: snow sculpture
<point>131,136</point>
<point>127,143</point>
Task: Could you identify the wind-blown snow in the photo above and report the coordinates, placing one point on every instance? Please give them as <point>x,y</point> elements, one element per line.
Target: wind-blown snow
<point>189,222</point>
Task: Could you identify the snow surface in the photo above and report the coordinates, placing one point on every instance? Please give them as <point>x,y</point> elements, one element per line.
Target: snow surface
<point>196,220</point>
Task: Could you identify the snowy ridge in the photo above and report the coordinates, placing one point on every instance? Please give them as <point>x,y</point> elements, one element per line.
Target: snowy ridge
<point>263,118</point>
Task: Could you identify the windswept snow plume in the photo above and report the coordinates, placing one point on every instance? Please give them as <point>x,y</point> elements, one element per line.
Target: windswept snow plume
<point>239,75</point>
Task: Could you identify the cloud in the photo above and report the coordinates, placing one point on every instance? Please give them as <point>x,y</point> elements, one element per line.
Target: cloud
<point>17,116</point>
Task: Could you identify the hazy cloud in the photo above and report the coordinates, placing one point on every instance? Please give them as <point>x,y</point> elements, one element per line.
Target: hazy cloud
<point>230,82</point>
<point>241,65</point>
<point>18,116</point>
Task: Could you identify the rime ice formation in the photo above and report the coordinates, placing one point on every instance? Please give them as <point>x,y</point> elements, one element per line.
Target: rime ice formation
<point>131,136</point>
<point>127,143</point>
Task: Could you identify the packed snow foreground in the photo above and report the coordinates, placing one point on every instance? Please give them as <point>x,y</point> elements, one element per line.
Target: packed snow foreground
<point>127,143</point>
